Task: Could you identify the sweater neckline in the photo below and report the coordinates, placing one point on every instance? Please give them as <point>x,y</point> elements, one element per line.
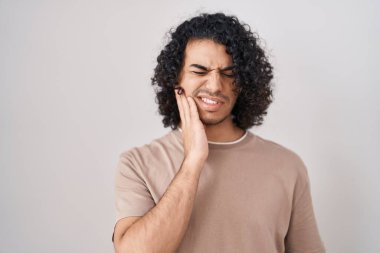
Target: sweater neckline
<point>221,145</point>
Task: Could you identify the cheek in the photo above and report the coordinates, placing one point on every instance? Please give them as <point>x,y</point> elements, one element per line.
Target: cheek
<point>190,84</point>
<point>233,98</point>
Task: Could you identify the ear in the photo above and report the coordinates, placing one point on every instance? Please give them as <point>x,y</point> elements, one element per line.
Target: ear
<point>238,91</point>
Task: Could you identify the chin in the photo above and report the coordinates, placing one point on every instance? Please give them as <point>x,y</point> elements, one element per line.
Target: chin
<point>210,121</point>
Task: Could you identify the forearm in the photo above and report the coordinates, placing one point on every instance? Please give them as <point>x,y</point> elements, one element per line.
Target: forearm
<point>162,228</point>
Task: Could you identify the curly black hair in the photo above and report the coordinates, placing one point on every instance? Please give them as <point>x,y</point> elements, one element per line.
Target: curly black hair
<point>253,72</point>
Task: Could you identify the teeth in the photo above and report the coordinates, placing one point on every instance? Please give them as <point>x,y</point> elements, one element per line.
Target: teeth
<point>209,101</point>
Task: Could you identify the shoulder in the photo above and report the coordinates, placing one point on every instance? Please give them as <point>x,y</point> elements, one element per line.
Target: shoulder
<point>284,156</point>
<point>143,154</point>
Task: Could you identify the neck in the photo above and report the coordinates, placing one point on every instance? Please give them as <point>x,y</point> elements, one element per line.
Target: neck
<point>225,132</point>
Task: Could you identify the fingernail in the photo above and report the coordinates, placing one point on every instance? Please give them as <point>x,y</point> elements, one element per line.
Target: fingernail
<point>180,90</point>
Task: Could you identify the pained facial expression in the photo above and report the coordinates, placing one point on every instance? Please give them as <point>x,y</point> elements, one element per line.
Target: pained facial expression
<point>207,75</point>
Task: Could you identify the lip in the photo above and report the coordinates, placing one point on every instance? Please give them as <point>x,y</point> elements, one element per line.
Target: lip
<point>212,98</point>
<point>209,107</point>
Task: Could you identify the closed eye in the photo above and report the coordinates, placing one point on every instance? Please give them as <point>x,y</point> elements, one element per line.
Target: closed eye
<point>204,73</point>
<point>228,75</point>
<point>199,73</point>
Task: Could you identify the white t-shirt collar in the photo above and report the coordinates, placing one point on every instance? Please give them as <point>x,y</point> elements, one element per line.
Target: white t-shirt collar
<point>227,142</point>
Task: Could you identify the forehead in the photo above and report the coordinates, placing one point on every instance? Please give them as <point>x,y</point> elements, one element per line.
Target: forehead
<point>207,53</point>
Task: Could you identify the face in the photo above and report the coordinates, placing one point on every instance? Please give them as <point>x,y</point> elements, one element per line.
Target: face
<point>207,76</point>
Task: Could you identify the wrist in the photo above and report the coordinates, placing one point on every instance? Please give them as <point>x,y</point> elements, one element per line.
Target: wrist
<point>194,162</point>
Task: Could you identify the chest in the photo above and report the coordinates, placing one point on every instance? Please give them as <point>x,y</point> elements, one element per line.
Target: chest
<point>245,194</point>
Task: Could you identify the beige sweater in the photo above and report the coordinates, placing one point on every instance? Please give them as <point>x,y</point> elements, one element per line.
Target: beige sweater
<point>253,195</point>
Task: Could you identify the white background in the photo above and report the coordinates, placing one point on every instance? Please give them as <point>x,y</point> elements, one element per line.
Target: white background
<point>75,92</point>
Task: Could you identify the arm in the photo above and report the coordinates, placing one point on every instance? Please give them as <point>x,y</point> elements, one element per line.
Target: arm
<point>303,235</point>
<point>162,228</point>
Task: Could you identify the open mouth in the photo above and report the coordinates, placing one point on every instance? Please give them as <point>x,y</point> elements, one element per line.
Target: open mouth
<point>209,104</point>
<point>209,101</point>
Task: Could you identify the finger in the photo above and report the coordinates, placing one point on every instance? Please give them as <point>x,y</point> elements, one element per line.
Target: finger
<point>180,108</point>
<point>186,108</point>
<point>193,109</point>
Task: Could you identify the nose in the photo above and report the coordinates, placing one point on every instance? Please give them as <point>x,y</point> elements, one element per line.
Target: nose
<point>214,82</point>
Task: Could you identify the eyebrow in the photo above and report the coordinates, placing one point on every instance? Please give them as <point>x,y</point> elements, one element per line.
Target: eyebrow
<point>205,68</point>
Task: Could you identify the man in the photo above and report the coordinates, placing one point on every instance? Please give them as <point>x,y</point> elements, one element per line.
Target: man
<point>210,185</point>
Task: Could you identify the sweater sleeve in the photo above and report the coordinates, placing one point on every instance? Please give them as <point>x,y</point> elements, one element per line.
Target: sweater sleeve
<point>303,235</point>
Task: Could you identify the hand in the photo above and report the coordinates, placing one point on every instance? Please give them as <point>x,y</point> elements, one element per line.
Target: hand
<point>193,131</point>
